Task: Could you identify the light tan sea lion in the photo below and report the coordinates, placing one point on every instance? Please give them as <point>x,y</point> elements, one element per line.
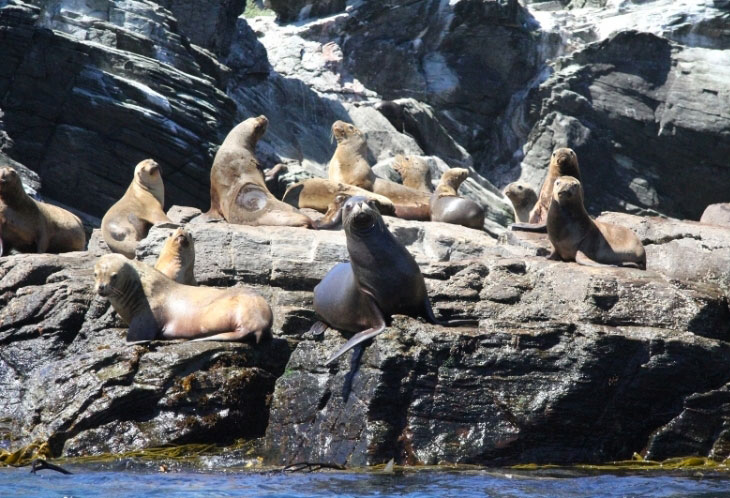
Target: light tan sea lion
<point>332,219</point>
<point>717,214</point>
<point>563,162</point>
<point>320,194</point>
<point>415,172</point>
<point>448,207</point>
<point>156,307</point>
<point>575,236</point>
<point>129,220</point>
<point>27,225</point>
<point>349,164</point>
<point>523,198</point>
<point>238,191</point>
<point>177,258</point>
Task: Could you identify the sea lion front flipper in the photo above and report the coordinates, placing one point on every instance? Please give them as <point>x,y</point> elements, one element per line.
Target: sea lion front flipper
<point>431,317</point>
<point>142,328</point>
<point>363,336</point>
<point>584,260</point>
<point>141,227</point>
<point>529,227</point>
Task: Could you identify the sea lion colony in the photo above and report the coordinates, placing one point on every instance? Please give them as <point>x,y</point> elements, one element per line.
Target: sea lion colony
<point>357,297</point>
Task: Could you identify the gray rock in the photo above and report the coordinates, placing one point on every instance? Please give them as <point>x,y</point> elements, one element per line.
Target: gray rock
<point>210,24</point>
<point>293,10</point>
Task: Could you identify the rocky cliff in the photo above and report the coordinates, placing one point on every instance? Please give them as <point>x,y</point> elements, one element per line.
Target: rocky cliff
<point>569,364</point>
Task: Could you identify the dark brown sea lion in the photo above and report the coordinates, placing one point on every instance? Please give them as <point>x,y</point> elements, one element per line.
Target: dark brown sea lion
<point>575,236</point>
<point>27,225</point>
<point>238,190</point>
<point>523,198</point>
<point>717,214</point>
<point>381,279</point>
<point>177,257</point>
<point>563,162</point>
<point>448,207</point>
<point>129,220</point>
<point>156,307</point>
<point>415,172</point>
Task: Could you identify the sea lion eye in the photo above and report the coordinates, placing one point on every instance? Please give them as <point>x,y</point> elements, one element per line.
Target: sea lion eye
<point>519,187</point>
<point>113,277</point>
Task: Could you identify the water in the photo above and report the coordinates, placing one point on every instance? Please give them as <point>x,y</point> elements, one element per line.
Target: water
<point>502,483</point>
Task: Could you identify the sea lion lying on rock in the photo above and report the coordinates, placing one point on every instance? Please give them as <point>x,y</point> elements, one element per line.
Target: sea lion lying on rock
<point>129,220</point>
<point>575,236</point>
<point>156,307</point>
<point>381,279</point>
<point>238,190</point>
<point>177,257</point>
<point>563,162</point>
<point>448,207</point>
<point>415,172</point>
<point>319,194</point>
<point>523,198</point>
<point>27,225</point>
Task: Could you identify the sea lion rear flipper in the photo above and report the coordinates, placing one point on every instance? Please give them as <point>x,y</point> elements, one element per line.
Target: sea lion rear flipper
<point>529,227</point>
<point>431,318</point>
<point>141,227</point>
<point>142,328</point>
<point>584,260</point>
<point>291,196</point>
<point>356,339</point>
<point>318,328</point>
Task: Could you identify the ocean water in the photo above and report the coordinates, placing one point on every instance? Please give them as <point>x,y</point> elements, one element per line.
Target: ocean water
<point>497,483</point>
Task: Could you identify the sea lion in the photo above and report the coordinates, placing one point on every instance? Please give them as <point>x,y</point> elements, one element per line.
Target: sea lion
<point>156,307</point>
<point>575,236</point>
<point>349,164</point>
<point>447,206</point>
<point>332,219</point>
<point>414,171</point>
<point>27,225</point>
<point>129,220</point>
<point>381,279</point>
<point>523,198</point>
<point>238,190</point>
<point>563,162</point>
<point>717,214</point>
<point>319,194</point>
<point>177,257</point>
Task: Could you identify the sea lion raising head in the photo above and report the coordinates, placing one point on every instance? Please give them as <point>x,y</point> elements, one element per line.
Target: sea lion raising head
<point>414,171</point>
<point>448,207</point>
<point>523,198</point>
<point>156,307</point>
<point>129,220</point>
<point>27,225</point>
<point>563,162</point>
<point>177,257</point>
<point>349,164</point>
<point>575,236</point>
<point>381,279</point>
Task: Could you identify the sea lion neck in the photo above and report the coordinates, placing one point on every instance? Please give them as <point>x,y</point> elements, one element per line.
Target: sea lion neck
<point>12,194</point>
<point>157,190</point>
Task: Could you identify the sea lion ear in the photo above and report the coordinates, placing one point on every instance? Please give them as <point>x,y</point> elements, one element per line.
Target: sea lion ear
<point>374,204</point>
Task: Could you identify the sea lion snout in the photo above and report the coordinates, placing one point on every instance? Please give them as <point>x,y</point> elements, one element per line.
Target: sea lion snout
<point>565,188</point>
<point>564,156</point>
<point>360,212</point>
<point>7,174</point>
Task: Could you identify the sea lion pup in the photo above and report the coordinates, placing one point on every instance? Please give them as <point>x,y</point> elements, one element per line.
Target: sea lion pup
<point>575,236</point>
<point>563,162</point>
<point>447,206</point>
<point>177,257</point>
<point>27,225</point>
<point>717,214</point>
<point>332,219</point>
<point>415,172</point>
<point>523,198</point>
<point>349,164</point>
<point>238,190</point>
<point>156,307</point>
<point>381,279</point>
<point>320,194</point>
<point>129,220</point>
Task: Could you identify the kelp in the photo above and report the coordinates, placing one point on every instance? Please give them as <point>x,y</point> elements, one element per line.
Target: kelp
<point>639,463</point>
<point>24,456</point>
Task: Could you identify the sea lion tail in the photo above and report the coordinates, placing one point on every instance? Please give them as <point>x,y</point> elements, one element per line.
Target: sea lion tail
<point>529,227</point>
<point>356,339</point>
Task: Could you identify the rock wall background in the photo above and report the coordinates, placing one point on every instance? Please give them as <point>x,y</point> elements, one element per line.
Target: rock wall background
<point>641,90</point>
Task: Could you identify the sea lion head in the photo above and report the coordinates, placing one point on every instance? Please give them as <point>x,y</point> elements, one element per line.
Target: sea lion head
<point>451,180</point>
<point>567,190</point>
<point>9,180</point>
<point>566,161</point>
<point>181,242</point>
<point>345,131</point>
<point>360,215</point>
<point>148,173</point>
<point>110,274</point>
<point>257,127</point>
<point>520,193</point>
<point>413,166</point>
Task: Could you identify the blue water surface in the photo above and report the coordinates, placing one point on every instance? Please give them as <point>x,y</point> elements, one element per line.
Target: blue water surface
<point>19,482</point>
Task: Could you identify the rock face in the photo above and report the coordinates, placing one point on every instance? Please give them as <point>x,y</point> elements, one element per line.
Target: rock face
<point>292,10</point>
